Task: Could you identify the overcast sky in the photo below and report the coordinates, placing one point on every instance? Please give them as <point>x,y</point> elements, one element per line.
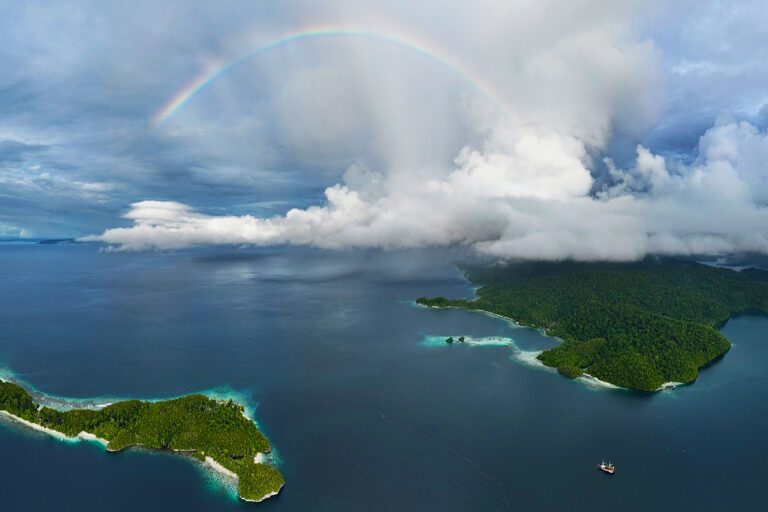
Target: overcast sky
<point>533,129</point>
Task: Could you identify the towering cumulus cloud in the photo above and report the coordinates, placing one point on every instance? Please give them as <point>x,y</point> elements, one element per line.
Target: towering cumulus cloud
<point>523,183</point>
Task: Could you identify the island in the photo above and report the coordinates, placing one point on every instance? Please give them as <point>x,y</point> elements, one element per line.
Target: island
<point>637,325</point>
<point>214,431</point>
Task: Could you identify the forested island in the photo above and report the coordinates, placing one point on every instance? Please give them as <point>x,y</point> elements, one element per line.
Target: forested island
<point>198,426</point>
<point>635,325</point>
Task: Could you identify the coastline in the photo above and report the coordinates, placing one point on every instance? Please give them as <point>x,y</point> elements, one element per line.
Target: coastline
<point>86,436</point>
<point>591,380</point>
<point>526,359</point>
<point>268,495</point>
<point>92,437</point>
<point>55,433</point>
<point>60,403</point>
<point>531,358</point>
<point>517,324</point>
<point>212,465</point>
<point>218,467</point>
<point>507,319</point>
<point>260,457</point>
<point>232,475</point>
<point>669,386</point>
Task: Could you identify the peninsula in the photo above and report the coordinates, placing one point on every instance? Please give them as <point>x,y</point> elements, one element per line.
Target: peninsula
<point>209,430</point>
<point>634,325</point>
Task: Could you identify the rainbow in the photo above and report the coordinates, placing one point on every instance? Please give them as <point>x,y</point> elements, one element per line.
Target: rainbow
<point>209,75</point>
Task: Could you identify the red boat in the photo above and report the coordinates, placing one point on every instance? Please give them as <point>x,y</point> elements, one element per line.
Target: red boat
<point>608,468</point>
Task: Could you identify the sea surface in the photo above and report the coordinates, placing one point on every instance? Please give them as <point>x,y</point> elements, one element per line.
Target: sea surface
<point>342,372</point>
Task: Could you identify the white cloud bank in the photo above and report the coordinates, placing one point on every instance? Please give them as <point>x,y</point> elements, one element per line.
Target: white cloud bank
<point>527,199</point>
<point>575,74</point>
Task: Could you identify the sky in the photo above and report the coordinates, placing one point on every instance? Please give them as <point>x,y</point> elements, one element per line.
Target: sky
<point>517,129</point>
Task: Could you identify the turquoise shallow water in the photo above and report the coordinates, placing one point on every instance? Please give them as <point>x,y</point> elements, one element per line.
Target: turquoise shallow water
<point>365,410</point>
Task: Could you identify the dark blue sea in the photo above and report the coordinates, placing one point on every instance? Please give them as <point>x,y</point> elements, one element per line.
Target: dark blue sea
<point>364,412</point>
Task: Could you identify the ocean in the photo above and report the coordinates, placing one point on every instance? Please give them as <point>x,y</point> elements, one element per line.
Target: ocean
<point>342,373</point>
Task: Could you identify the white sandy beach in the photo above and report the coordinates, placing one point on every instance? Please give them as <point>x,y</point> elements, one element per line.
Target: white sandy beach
<point>218,467</point>
<point>35,426</point>
<point>91,437</point>
<point>591,380</point>
<point>260,458</point>
<point>670,385</point>
<point>55,433</point>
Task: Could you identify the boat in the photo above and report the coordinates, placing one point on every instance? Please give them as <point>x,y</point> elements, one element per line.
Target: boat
<point>608,468</point>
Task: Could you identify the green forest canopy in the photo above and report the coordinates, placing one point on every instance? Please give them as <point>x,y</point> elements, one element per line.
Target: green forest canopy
<point>194,424</point>
<point>636,325</point>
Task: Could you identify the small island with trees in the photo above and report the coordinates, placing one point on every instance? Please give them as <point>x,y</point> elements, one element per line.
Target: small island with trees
<point>635,325</point>
<point>210,430</point>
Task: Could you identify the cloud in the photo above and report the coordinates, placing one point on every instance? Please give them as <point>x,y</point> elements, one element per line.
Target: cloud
<point>343,142</point>
<point>715,56</point>
<point>529,199</point>
<point>524,187</point>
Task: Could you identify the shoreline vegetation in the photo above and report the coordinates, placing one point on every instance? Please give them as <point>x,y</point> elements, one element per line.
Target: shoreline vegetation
<point>215,432</point>
<point>530,357</point>
<point>646,326</point>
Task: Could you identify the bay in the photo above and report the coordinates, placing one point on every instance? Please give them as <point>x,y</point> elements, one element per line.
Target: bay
<point>328,350</point>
